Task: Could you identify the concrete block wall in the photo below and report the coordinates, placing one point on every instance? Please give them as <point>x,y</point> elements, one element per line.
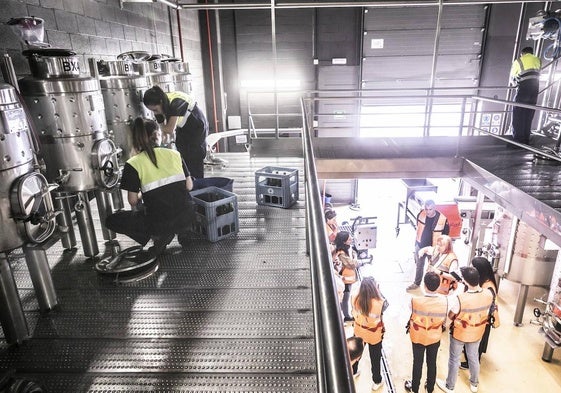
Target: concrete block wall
<point>102,29</point>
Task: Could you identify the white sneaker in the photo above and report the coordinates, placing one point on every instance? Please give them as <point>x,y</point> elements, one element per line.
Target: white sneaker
<point>442,385</point>
<point>376,386</point>
<point>357,374</point>
<point>473,388</point>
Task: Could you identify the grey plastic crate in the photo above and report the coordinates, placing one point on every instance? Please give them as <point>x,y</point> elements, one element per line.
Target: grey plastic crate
<point>216,213</point>
<point>275,186</point>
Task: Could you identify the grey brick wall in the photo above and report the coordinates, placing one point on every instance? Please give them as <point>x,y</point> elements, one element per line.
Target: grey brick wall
<point>102,29</point>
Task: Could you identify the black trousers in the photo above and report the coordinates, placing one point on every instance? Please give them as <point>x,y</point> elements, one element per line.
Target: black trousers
<point>418,357</point>
<point>526,93</point>
<point>190,141</point>
<point>131,223</point>
<point>375,351</point>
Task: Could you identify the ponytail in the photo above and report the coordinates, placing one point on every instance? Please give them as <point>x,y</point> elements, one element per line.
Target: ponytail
<point>142,130</point>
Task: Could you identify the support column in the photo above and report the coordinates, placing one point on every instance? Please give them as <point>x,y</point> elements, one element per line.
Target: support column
<point>40,272</point>
<point>12,317</point>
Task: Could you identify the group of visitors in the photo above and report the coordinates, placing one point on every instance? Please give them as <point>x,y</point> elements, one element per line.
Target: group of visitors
<point>463,295</point>
<point>460,299</point>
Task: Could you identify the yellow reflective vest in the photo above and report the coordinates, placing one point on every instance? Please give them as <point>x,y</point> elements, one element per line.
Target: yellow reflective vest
<point>169,170</point>
<point>525,67</point>
<point>190,105</point>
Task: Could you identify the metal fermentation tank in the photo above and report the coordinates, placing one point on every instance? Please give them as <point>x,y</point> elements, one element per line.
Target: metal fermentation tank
<point>27,215</point>
<point>122,88</point>
<point>179,71</point>
<point>69,116</point>
<point>524,257</point>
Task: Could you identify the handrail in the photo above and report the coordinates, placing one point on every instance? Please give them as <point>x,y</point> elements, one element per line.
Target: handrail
<point>333,363</point>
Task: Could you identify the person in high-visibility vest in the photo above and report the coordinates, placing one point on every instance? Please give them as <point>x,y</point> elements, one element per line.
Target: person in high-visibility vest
<point>430,224</point>
<point>178,114</point>
<point>344,255</point>
<point>488,282</point>
<point>425,326</point>
<point>469,312</point>
<point>157,182</point>
<point>525,75</point>
<point>368,307</point>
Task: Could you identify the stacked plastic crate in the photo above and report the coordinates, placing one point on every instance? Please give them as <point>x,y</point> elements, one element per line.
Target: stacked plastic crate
<point>275,186</point>
<point>216,213</point>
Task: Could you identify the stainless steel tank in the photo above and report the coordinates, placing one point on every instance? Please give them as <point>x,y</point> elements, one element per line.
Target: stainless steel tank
<point>27,216</point>
<point>179,70</point>
<point>531,263</point>
<point>158,76</point>
<point>69,116</point>
<point>26,207</point>
<point>122,88</point>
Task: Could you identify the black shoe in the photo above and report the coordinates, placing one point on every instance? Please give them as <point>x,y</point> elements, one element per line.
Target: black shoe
<point>464,365</point>
<point>408,385</point>
<point>160,244</point>
<point>351,319</point>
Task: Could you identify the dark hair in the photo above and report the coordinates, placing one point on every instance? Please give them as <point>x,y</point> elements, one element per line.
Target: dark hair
<point>527,49</point>
<point>329,214</point>
<point>432,281</point>
<point>470,275</point>
<point>485,270</point>
<point>355,345</point>
<point>156,96</point>
<point>142,130</point>
<point>368,290</point>
<point>340,240</point>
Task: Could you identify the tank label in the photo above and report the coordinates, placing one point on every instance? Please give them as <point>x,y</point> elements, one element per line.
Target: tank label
<point>70,66</point>
<point>14,120</point>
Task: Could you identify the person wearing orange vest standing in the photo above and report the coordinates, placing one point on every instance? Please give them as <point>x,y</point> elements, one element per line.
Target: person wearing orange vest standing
<point>469,312</point>
<point>178,113</point>
<point>525,75</point>
<point>344,255</point>
<point>443,260</point>
<point>368,306</point>
<point>428,315</point>
<point>430,224</point>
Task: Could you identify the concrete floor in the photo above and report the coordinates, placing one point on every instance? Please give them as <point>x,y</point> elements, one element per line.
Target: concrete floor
<point>513,360</point>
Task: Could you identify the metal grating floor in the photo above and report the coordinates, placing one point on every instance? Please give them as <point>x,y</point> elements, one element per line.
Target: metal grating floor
<point>232,316</point>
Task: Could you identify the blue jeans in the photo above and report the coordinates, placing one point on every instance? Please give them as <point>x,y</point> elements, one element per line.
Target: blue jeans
<point>472,352</point>
<point>420,265</point>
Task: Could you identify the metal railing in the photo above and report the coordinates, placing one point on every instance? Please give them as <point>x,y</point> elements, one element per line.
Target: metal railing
<point>333,363</point>
<point>272,121</point>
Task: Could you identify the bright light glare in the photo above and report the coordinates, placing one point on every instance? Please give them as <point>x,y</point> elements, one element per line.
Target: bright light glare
<point>409,120</point>
<point>269,84</point>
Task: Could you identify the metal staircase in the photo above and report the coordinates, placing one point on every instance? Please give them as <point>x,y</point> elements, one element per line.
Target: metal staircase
<point>230,316</point>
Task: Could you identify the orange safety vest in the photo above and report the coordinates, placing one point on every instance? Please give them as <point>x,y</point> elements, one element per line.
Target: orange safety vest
<point>427,318</point>
<point>437,231</point>
<point>348,273</point>
<point>331,232</point>
<point>370,328</point>
<point>441,263</point>
<point>469,324</point>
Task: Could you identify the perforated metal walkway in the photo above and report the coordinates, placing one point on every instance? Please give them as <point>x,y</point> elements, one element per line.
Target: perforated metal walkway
<point>232,316</point>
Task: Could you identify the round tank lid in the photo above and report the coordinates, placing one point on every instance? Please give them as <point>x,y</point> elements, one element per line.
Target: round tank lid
<point>49,52</point>
<point>134,56</point>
